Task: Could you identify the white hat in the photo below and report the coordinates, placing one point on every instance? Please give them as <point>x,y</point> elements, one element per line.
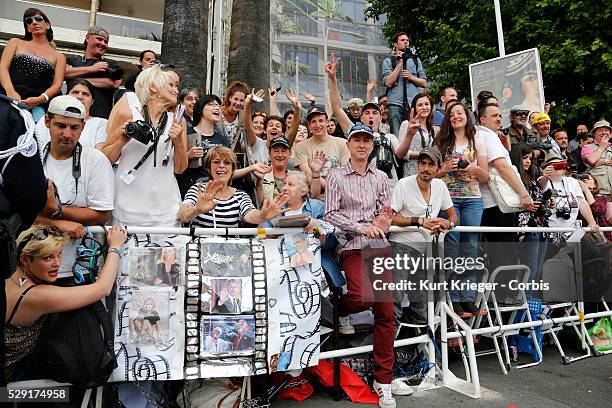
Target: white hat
<point>66,105</point>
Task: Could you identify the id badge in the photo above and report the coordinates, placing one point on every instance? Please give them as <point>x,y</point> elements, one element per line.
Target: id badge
<point>127,177</point>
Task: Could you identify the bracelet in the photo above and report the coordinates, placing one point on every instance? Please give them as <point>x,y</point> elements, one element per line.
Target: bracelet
<point>44,95</point>
<point>317,177</point>
<point>526,195</point>
<point>116,250</point>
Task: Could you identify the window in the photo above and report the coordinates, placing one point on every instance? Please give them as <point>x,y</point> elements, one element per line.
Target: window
<point>353,72</point>
<point>307,56</point>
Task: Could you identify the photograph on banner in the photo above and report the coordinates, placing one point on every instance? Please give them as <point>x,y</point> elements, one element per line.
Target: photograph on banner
<point>294,304</point>
<point>514,79</point>
<point>156,266</point>
<point>226,258</point>
<point>298,249</point>
<point>149,317</point>
<point>227,336</point>
<point>230,295</point>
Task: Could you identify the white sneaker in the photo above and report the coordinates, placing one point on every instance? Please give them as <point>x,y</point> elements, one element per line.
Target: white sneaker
<point>398,387</point>
<point>345,326</point>
<point>385,396</point>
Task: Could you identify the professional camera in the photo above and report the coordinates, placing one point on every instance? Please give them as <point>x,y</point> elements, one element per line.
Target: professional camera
<point>114,72</point>
<point>540,146</point>
<point>462,164</point>
<point>140,131</point>
<point>564,212</point>
<point>544,211</point>
<point>579,176</point>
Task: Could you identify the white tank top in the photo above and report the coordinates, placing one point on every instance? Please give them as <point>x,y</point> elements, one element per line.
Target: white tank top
<point>152,199</point>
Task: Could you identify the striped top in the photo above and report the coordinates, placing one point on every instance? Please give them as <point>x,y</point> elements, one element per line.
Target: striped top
<point>227,213</point>
<point>351,201</point>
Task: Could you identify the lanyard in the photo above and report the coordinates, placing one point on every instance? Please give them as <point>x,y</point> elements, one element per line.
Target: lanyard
<point>76,166</point>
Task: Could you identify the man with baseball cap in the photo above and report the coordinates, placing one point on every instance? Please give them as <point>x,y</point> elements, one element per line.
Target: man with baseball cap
<point>385,145</point>
<point>82,176</point>
<point>355,106</point>
<point>598,155</point>
<point>518,131</point>
<point>104,74</point>
<point>417,201</point>
<point>335,148</point>
<point>541,123</point>
<point>357,203</point>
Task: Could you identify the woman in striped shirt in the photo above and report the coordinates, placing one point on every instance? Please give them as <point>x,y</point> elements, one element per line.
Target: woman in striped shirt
<point>219,205</point>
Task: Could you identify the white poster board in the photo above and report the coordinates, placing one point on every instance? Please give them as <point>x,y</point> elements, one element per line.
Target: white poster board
<point>515,79</point>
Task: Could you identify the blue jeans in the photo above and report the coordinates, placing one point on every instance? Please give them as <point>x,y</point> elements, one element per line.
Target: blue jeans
<point>533,249</point>
<point>396,116</point>
<point>464,244</point>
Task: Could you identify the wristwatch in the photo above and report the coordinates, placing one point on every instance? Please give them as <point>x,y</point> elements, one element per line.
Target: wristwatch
<point>452,224</point>
<point>57,214</point>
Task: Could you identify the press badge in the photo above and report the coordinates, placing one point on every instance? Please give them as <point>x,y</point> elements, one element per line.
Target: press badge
<point>127,177</point>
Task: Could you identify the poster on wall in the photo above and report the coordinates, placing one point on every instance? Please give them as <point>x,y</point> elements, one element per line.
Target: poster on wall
<point>294,277</point>
<point>515,79</point>
<point>149,309</point>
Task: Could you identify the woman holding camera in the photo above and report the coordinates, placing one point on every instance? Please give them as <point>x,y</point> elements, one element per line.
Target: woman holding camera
<point>152,146</point>
<point>31,295</point>
<point>533,244</point>
<point>31,69</point>
<point>464,167</point>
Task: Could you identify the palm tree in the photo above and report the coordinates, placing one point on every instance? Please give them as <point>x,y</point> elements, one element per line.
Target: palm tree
<point>249,50</point>
<point>185,40</point>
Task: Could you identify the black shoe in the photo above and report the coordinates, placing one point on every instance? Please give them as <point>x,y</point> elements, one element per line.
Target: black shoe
<point>470,308</point>
<point>458,308</point>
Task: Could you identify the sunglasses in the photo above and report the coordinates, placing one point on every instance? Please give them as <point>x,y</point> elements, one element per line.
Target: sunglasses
<point>520,113</point>
<point>37,18</point>
<point>226,163</point>
<point>40,235</point>
<point>360,127</point>
<point>264,114</point>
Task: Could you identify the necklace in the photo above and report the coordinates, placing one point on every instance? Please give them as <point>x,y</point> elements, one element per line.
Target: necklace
<point>22,281</point>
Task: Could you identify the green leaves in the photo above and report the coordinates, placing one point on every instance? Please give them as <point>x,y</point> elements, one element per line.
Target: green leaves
<point>572,37</point>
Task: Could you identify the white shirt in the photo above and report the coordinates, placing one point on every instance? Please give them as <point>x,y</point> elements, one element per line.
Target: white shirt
<point>495,150</point>
<point>258,153</point>
<point>95,190</point>
<point>152,199</point>
<point>408,201</point>
<point>569,190</point>
<point>94,132</point>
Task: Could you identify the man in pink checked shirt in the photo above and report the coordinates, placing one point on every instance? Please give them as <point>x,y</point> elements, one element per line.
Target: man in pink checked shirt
<point>357,203</point>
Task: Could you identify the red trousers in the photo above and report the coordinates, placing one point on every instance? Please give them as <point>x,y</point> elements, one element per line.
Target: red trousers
<point>358,267</point>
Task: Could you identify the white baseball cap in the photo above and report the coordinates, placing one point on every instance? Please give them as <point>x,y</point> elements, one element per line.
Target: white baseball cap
<point>66,105</point>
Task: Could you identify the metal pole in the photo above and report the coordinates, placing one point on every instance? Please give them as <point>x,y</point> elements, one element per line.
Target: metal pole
<point>297,75</point>
<point>500,29</point>
<point>93,8</point>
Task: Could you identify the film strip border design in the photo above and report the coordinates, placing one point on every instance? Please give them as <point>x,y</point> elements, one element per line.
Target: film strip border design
<point>194,313</point>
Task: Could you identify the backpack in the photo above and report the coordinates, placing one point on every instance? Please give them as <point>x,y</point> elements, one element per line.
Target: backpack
<point>77,346</point>
<point>559,273</point>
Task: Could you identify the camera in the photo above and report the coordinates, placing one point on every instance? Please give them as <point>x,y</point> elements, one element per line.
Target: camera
<point>114,72</point>
<point>544,211</point>
<point>140,131</point>
<point>564,212</point>
<point>580,176</point>
<point>462,164</point>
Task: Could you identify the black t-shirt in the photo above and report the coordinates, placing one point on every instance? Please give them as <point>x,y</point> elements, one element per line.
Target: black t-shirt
<point>103,102</point>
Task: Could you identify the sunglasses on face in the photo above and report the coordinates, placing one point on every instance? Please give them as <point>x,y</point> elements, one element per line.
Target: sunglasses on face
<point>40,235</point>
<point>520,113</point>
<point>226,163</point>
<point>30,20</point>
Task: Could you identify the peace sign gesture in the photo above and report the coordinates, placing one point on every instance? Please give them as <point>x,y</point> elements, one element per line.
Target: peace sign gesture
<point>413,124</point>
<point>332,66</point>
<point>293,98</point>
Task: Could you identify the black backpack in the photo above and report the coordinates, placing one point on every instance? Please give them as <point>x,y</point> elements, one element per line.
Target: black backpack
<point>385,158</point>
<point>77,346</point>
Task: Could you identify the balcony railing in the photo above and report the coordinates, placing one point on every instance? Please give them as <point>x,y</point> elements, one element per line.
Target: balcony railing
<point>78,19</point>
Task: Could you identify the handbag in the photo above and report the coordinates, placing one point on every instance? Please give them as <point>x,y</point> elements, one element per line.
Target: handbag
<point>506,198</point>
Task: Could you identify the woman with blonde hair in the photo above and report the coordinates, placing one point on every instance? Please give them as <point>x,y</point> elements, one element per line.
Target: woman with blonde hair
<point>31,295</point>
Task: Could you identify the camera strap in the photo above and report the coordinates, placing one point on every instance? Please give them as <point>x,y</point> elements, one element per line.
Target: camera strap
<point>153,148</point>
<point>76,163</point>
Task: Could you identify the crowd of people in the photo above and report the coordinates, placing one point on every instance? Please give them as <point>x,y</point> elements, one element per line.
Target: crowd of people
<point>152,154</point>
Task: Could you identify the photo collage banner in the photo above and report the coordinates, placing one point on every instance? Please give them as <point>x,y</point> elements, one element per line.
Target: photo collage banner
<point>216,307</point>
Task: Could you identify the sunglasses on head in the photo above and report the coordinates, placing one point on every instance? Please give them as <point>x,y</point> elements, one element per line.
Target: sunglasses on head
<point>264,114</point>
<point>40,235</point>
<point>361,127</point>
<point>37,18</point>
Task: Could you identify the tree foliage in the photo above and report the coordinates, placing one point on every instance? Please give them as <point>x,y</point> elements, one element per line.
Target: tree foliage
<point>573,38</point>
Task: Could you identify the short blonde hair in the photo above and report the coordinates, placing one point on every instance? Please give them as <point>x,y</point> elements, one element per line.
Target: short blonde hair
<point>221,152</point>
<point>168,251</point>
<point>302,180</point>
<point>39,248</point>
<point>153,76</point>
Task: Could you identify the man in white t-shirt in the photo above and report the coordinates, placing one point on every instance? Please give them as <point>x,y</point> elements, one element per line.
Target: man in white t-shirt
<point>417,201</point>
<point>82,175</point>
<point>499,159</point>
